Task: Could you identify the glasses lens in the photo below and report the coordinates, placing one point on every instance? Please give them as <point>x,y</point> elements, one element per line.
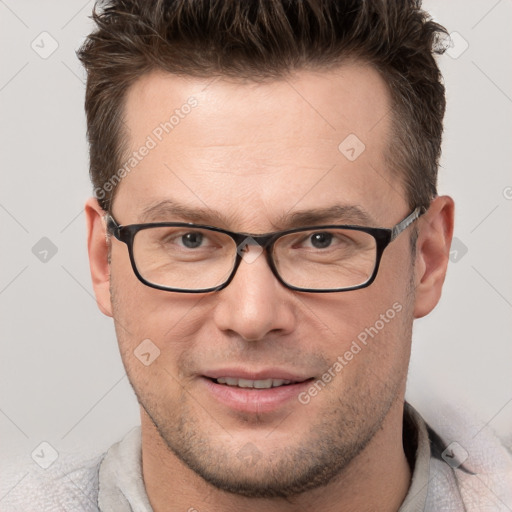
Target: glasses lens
<point>184,258</point>
<point>326,259</point>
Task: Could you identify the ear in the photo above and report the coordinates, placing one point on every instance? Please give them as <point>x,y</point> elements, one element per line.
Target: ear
<point>435,233</point>
<point>98,247</point>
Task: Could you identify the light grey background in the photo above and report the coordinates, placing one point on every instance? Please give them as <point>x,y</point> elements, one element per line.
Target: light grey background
<point>61,378</point>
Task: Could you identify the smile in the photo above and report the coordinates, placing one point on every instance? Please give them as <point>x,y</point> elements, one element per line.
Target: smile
<point>256,384</point>
<point>260,392</point>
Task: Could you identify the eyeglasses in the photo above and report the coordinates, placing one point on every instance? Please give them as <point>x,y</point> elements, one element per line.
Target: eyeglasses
<point>192,258</point>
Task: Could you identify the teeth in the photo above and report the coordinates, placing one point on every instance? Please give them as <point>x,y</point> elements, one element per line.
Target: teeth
<point>258,384</point>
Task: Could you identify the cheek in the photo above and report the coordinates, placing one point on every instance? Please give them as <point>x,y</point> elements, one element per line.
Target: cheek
<point>141,311</point>
<point>368,328</point>
<point>367,354</point>
<point>349,315</point>
<point>162,324</point>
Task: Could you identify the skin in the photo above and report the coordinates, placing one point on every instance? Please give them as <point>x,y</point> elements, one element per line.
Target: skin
<point>248,154</point>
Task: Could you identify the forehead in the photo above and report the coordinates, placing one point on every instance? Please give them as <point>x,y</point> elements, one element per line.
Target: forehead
<point>252,151</point>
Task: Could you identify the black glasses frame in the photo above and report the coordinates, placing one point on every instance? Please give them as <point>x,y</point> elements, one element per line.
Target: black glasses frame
<point>383,237</point>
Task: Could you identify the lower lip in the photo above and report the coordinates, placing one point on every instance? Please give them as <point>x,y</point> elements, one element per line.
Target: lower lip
<point>255,400</point>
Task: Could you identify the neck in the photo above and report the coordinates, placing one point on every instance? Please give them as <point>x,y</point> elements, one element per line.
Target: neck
<point>377,479</point>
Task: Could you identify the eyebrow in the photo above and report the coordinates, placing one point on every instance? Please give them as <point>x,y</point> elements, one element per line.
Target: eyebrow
<point>350,214</point>
<point>169,211</point>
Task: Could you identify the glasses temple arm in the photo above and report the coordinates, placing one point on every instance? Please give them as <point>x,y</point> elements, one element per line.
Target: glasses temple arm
<point>404,224</point>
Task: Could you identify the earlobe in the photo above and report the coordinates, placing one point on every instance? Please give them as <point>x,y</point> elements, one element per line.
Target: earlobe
<point>432,254</point>
<point>98,249</point>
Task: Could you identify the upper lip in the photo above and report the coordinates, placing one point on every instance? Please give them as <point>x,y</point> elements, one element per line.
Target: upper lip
<point>268,373</point>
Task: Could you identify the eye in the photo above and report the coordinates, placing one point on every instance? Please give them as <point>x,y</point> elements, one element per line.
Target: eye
<point>321,240</point>
<point>192,240</point>
<point>179,239</point>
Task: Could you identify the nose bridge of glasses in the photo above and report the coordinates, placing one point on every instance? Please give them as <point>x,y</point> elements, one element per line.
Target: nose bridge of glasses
<point>250,247</point>
<point>253,239</point>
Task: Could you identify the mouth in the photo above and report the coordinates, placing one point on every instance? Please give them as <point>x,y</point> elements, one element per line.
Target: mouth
<point>255,392</point>
<point>254,384</point>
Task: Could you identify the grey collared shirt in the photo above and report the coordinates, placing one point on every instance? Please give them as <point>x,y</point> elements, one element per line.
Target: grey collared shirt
<point>121,487</point>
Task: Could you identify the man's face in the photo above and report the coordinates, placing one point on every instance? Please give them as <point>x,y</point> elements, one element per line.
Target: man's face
<point>247,158</point>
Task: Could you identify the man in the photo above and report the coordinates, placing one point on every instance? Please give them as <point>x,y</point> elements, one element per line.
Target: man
<point>264,231</point>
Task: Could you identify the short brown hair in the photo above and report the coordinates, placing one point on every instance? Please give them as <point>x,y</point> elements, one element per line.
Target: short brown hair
<point>268,39</point>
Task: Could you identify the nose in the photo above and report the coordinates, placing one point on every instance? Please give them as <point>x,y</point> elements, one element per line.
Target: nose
<point>255,303</point>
